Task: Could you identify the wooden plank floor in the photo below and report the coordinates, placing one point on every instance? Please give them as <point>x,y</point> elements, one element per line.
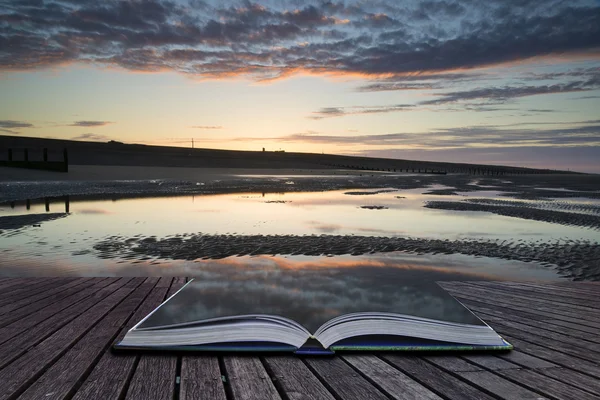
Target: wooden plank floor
<point>56,334</point>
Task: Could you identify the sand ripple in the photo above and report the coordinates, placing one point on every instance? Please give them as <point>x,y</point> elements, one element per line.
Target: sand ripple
<point>521,211</point>
<point>578,260</point>
<point>21,221</point>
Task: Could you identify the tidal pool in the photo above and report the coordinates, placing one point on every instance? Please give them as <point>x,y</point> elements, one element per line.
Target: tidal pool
<point>68,244</point>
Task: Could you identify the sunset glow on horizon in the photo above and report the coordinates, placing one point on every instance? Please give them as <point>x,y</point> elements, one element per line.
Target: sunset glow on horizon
<point>503,82</point>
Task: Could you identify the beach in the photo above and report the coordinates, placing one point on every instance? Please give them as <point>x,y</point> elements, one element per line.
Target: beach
<point>552,199</point>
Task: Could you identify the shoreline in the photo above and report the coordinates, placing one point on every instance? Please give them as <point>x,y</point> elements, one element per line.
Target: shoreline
<point>17,184</point>
<point>536,197</point>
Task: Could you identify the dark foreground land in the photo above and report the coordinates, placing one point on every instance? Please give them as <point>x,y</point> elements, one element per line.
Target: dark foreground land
<point>56,335</point>
<point>119,154</point>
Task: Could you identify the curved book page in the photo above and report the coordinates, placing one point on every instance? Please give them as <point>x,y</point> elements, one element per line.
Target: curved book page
<point>270,303</point>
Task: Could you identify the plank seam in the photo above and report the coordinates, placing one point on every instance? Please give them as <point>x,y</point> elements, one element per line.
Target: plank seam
<point>470,383</point>
<point>547,329</point>
<point>476,298</point>
<point>9,322</point>
<point>320,378</point>
<point>177,387</point>
<point>127,383</point>
<point>51,332</point>
<point>558,363</point>
<point>415,378</point>
<point>53,361</point>
<point>44,298</point>
<point>226,383</point>
<point>515,381</point>
<point>107,346</point>
<point>529,314</point>
<point>524,297</point>
<point>368,379</point>
<point>276,382</point>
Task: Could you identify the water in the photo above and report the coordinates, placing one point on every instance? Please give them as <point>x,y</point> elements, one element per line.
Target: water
<point>65,246</point>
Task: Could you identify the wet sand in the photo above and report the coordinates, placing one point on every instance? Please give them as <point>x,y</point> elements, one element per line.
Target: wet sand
<point>14,222</point>
<point>578,260</point>
<point>526,211</point>
<point>18,184</point>
<point>541,198</point>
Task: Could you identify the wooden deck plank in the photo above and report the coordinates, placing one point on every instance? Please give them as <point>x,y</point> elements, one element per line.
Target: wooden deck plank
<point>154,378</point>
<point>484,379</point>
<point>537,293</point>
<point>490,362</point>
<point>568,317</point>
<point>248,379</point>
<point>529,315</point>
<point>50,305</point>
<point>12,282</point>
<point>201,379</point>
<point>551,387</point>
<point>60,380</point>
<point>522,296</point>
<point>474,290</point>
<point>533,322</point>
<point>17,376</point>
<point>587,367</point>
<point>166,375</point>
<point>60,350</point>
<point>292,377</point>
<point>452,363</point>
<point>562,291</point>
<point>435,379</point>
<point>390,380</point>
<point>342,380</point>
<point>583,286</point>
<point>541,308</point>
<point>16,283</point>
<point>27,333</point>
<point>16,304</point>
<point>559,346</point>
<point>573,378</point>
<point>500,386</point>
<point>109,378</point>
<point>28,290</point>
<point>544,386</point>
<point>526,360</point>
<point>556,341</point>
<point>26,287</point>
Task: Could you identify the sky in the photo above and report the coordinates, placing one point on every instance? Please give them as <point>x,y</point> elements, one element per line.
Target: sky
<point>512,82</point>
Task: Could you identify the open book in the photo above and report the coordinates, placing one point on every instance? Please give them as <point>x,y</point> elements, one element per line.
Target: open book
<point>202,317</point>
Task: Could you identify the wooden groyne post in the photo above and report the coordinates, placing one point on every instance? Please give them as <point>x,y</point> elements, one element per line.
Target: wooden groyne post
<point>44,164</point>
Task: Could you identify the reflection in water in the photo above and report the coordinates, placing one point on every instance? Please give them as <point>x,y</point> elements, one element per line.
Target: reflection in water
<point>128,223</point>
<point>430,267</point>
<point>310,296</point>
<point>293,213</point>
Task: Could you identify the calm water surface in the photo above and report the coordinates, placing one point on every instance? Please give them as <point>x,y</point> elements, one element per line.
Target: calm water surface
<point>65,245</point>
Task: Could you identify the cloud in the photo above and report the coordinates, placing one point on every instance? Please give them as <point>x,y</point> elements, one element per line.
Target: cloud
<point>279,39</point>
<point>91,137</point>
<point>328,112</point>
<point>9,124</point>
<point>477,99</point>
<point>579,133</point>
<point>90,124</point>
<point>586,98</point>
<point>210,127</point>
<point>575,158</point>
<point>503,94</point>
<point>418,82</point>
